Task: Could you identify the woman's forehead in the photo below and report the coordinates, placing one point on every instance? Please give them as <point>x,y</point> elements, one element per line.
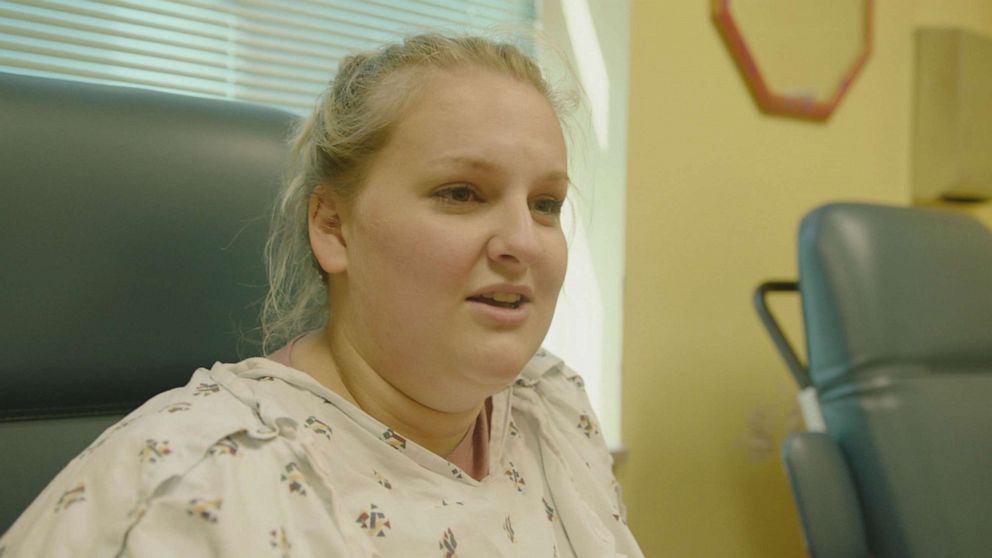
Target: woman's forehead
<point>472,105</point>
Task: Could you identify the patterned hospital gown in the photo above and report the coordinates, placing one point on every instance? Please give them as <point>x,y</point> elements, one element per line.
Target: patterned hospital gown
<point>258,459</point>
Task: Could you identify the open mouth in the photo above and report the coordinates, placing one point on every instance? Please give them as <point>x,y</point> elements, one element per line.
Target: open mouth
<point>500,300</point>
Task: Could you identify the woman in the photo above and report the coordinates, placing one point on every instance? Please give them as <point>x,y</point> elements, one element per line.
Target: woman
<point>420,418</point>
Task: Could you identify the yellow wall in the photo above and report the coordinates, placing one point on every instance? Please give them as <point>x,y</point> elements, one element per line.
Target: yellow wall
<point>715,193</point>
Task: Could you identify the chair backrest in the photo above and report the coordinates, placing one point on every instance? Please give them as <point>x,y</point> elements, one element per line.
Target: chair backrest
<point>898,311</point>
<point>133,225</point>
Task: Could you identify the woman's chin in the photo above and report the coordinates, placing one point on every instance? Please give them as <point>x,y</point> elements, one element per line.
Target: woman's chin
<point>500,365</point>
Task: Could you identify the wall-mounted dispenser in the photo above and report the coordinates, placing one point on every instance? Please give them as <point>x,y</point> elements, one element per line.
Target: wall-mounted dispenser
<point>952,116</point>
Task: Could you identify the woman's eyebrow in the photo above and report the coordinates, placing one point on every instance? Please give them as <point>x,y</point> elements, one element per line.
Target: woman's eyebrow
<point>465,161</point>
<point>486,165</point>
<point>556,176</point>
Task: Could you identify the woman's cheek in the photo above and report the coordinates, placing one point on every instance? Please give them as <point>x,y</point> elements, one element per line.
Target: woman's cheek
<point>428,256</point>
<point>556,258</point>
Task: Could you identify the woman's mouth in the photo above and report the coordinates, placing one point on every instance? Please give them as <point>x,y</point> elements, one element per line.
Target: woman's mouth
<point>501,300</point>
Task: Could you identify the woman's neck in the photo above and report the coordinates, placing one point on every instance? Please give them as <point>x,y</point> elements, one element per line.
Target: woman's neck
<point>330,357</point>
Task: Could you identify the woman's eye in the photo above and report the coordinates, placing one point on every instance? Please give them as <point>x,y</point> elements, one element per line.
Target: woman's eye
<point>457,194</point>
<point>549,206</point>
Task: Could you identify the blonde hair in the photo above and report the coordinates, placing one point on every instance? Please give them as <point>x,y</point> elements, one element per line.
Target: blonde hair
<point>350,123</point>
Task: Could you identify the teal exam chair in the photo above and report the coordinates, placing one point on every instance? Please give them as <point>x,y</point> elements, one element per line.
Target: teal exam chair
<point>897,305</point>
<point>132,226</point>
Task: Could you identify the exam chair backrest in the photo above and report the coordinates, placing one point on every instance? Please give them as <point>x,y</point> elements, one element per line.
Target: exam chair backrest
<point>133,226</point>
<point>898,311</point>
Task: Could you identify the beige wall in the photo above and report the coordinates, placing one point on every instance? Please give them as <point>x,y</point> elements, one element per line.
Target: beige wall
<point>715,193</point>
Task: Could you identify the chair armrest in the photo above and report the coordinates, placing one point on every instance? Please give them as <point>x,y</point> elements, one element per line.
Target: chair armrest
<point>825,496</point>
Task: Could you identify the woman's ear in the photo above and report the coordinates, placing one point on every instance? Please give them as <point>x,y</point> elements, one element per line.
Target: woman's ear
<point>326,236</point>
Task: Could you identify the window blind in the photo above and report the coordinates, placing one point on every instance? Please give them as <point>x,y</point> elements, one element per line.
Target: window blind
<point>267,51</point>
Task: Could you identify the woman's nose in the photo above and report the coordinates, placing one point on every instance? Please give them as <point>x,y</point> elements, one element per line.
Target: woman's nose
<point>515,239</point>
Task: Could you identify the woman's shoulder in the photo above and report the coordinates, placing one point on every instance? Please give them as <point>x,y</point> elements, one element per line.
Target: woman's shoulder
<point>550,401</point>
<point>183,422</point>
<point>545,369</point>
<point>563,395</point>
<point>549,376</point>
<point>175,436</point>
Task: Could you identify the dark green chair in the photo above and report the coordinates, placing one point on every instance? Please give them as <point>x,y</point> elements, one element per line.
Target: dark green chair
<point>897,304</point>
<point>133,224</point>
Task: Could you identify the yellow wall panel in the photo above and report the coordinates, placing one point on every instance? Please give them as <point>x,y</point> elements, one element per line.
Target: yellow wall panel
<point>715,193</point>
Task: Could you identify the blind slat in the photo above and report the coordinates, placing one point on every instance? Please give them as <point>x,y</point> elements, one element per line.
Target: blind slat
<point>63,23</point>
<point>150,20</point>
<point>264,51</point>
<point>68,39</point>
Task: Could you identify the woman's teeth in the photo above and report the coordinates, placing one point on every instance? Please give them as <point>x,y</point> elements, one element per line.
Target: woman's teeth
<point>503,297</point>
<point>503,300</point>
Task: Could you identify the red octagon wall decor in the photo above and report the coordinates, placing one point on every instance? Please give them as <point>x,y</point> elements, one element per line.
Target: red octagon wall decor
<point>775,102</point>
